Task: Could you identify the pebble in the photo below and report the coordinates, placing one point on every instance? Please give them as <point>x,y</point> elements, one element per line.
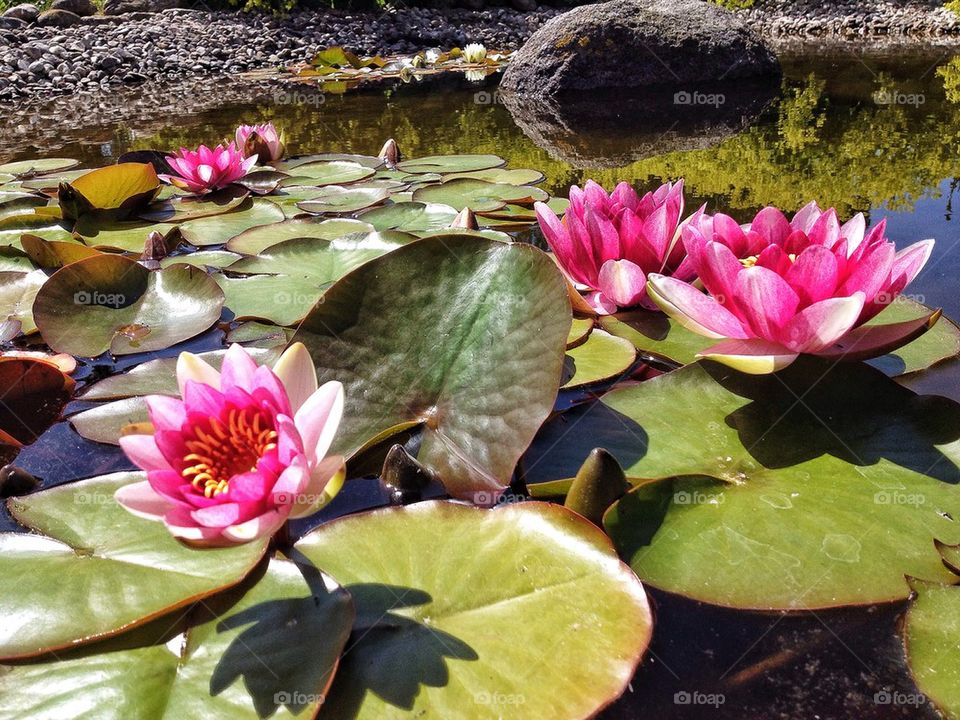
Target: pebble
<point>141,47</point>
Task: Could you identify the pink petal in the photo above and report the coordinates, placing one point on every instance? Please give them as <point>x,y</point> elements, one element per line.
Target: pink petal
<point>600,303</point>
<point>622,282</point>
<point>754,356</point>
<point>870,341</point>
<point>771,225</point>
<point>910,261</point>
<point>766,300</point>
<point>143,452</point>
<point>202,399</point>
<point>813,275</point>
<point>181,524</point>
<point>258,527</point>
<point>822,324</point>
<point>319,419</point>
<point>166,413</point>
<point>326,480</point>
<point>292,484</point>
<point>697,312</point>
<point>806,217</point>
<point>872,273</point>
<point>141,500</point>
<point>853,230</point>
<point>826,230</point>
<point>237,369</point>
<point>251,486</point>
<point>191,367</point>
<point>296,371</point>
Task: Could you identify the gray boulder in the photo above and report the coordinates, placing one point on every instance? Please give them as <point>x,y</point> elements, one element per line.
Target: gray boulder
<point>11,23</point>
<point>636,43</point>
<point>83,8</point>
<point>24,11</point>
<point>59,18</point>
<point>124,7</point>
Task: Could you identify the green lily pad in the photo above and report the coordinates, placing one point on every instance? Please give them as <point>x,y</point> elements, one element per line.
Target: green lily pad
<point>49,227</point>
<point>579,332</point>
<point>268,649</point>
<point>480,378</point>
<point>656,335</point>
<point>323,260</point>
<point>18,290</point>
<point>55,253</point>
<point>202,259</point>
<point>21,203</point>
<point>336,199</point>
<point>510,176</point>
<point>602,357</point>
<point>24,168</point>
<point>257,239</point>
<point>105,423</point>
<point>158,377</point>
<point>335,172</point>
<point>12,260</point>
<point>488,234</point>
<point>281,299</point>
<point>451,163</point>
<point>218,229</point>
<point>410,217</point>
<point>179,209</point>
<point>289,165</point>
<point>478,195</point>
<point>931,634</point>
<point>442,628</point>
<point>109,302</point>
<point>124,235</point>
<point>127,570</point>
<point>823,485</point>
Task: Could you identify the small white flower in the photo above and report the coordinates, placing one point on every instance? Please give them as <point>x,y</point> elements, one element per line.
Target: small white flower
<point>474,53</point>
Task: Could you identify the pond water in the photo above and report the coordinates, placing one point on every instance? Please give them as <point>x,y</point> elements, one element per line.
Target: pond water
<point>878,135</point>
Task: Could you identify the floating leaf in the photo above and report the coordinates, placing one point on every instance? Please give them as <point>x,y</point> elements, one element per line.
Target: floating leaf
<point>115,187</point>
<point>17,294</point>
<point>579,332</point>
<point>218,229</point>
<point>324,260</point>
<point>451,163</point>
<point>54,253</point>
<point>463,335</point>
<point>281,299</point>
<point>123,235</point>
<point>180,209</point>
<point>336,199</point>
<point>28,168</point>
<point>34,394</point>
<point>820,486</point>
<point>128,569</point>
<point>478,195</point>
<point>335,172</point>
<point>426,606</point>
<point>109,302</point>
<point>257,239</point>
<point>602,357</point>
<point>931,634</point>
<point>202,259</point>
<point>512,176</point>
<point>410,217</point>
<point>268,649</point>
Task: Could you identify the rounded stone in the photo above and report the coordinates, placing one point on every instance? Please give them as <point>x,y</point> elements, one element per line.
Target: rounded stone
<point>636,43</point>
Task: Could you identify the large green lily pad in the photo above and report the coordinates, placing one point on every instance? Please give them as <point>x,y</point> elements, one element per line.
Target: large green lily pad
<point>478,195</point>
<point>218,229</point>
<point>494,624</point>
<point>96,569</point>
<point>268,649</point>
<point>109,302</point>
<point>463,335</point>
<point>26,168</point>
<point>410,216</point>
<point>450,163</point>
<point>602,357</point>
<point>823,485</point>
<point>338,199</point>
<point>334,172</point>
<point>258,239</point>
<point>282,299</point>
<point>931,635</point>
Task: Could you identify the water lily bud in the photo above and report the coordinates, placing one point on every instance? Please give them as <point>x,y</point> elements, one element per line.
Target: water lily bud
<point>465,219</point>
<point>404,476</point>
<point>474,53</point>
<point>16,481</point>
<point>263,140</point>
<point>390,153</point>
<point>599,483</point>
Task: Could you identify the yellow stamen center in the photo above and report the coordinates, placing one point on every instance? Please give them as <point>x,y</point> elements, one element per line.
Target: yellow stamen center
<point>749,262</point>
<point>219,450</point>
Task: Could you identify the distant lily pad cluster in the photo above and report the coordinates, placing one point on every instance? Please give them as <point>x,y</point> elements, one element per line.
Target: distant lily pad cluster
<point>545,439</point>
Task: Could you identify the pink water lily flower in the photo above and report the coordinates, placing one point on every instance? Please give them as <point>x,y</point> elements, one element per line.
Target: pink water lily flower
<point>610,243</point>
<point>241,452</point>
<point>263,140</point>
<point>780,288</point>
<point>206,169</point>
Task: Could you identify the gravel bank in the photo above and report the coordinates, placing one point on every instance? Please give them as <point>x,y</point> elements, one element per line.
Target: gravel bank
<point>97,54</point>
<point>38,62</point>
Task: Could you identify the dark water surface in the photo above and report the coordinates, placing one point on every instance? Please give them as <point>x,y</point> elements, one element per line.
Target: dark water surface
<point>864,134</point>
